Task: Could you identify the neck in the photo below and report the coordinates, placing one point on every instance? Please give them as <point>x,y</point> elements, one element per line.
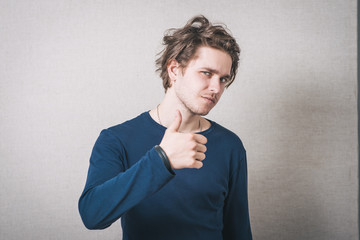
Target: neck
<point>164,114</point>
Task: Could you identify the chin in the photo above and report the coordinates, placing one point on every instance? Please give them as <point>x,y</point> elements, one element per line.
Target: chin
<point>202,112</point>
<point>200,108</point>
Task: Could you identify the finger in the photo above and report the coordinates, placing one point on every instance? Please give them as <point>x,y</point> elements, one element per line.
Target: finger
<point>200,156</point>
<point>197,164</point>
<point>200,138</point>
<point>201,148</point>
<point>175,125</point>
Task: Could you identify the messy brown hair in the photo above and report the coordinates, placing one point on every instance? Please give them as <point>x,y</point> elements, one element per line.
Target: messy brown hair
<point>181,44</point>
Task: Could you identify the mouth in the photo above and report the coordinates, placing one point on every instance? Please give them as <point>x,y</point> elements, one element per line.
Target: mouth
<point>210,99</point>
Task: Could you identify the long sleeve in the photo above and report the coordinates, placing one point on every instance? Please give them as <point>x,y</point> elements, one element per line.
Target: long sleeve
<point>236,212</point>
<point>112,188</point>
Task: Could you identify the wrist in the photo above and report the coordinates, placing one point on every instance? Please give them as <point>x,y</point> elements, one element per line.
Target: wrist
<point>164,158</point>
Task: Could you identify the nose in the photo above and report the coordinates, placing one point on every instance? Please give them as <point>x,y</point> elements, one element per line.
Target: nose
<point>214,85</point>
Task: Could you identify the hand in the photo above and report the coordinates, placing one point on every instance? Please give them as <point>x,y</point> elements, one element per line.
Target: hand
<point>184,150</point>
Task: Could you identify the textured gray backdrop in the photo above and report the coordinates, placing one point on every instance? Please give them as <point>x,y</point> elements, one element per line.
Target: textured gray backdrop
<point>71,68</point>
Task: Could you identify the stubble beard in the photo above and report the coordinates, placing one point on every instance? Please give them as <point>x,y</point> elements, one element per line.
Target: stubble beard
<point>192,106</point>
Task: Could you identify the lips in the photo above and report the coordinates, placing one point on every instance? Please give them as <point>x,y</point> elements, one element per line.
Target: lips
<point>212,99</point>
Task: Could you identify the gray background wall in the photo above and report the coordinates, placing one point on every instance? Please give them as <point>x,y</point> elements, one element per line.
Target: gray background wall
<point>71,68</point>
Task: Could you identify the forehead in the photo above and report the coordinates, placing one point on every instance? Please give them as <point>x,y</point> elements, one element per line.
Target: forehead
<point>208,57</point>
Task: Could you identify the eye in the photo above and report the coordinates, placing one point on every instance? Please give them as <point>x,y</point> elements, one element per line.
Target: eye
<point>224,80</point>
<point>206,73</point>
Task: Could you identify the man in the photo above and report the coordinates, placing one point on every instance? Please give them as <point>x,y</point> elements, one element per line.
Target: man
<point>170,173</point>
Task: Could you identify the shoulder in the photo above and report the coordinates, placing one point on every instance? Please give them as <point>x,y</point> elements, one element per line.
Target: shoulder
<point>227,136</point>
<point>128,126</point>
<point>122,131</point>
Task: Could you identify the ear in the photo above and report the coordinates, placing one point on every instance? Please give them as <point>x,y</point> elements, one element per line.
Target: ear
<point>174,70</point>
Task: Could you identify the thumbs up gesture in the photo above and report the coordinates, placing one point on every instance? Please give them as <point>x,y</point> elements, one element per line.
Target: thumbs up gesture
<point>184,150</point>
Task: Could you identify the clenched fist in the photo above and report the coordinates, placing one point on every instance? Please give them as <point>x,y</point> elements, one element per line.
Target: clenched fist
<point>184,150</point>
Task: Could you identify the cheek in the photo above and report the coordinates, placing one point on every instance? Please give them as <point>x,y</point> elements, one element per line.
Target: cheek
<point>193,83</point>
<point>220,93</point>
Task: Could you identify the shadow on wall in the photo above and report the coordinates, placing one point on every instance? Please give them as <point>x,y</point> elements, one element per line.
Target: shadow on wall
<point>302,181</point>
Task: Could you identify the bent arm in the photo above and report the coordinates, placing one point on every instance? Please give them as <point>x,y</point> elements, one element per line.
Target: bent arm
<point>110,189</point>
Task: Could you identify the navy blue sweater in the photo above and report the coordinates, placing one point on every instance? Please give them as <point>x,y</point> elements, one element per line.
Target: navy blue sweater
<point>128,179</point>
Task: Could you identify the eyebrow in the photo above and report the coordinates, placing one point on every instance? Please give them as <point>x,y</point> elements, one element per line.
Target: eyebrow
<point>215,71</point>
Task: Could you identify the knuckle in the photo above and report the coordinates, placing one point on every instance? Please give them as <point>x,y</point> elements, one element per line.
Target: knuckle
<point>194,164</point>
<point>191,164</point>
<point>190,137</point>
<point>193,146</point>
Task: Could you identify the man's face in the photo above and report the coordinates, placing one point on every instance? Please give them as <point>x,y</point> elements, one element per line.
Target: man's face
<point>200,86</point>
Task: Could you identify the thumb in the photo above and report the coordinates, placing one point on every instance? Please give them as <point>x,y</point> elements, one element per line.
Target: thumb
<point>175,125</point>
